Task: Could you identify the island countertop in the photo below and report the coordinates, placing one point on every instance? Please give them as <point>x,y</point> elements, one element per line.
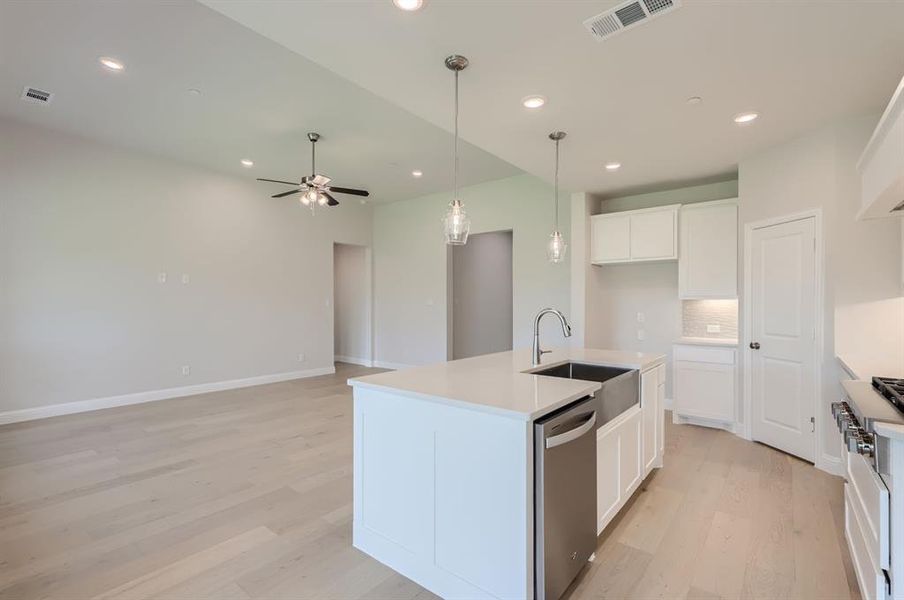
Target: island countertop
<point>503,383</point>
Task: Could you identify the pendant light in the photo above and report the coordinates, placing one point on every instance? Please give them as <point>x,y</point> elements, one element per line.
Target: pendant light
<point>556,247</point>
<point>456,223</point>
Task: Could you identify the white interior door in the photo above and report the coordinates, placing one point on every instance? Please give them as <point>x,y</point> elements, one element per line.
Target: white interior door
<point>782,340</point>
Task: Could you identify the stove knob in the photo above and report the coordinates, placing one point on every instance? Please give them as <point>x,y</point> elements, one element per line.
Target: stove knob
<point>866,445</point>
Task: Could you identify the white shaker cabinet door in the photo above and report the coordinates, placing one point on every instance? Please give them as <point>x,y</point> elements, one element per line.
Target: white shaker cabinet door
<point>705,390</point>
<point>653,235</point>
<point>610,238</point>
<point>708,257</point>
<point>649,400</point>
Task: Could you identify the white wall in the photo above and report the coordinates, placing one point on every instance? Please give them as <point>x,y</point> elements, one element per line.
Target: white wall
<point>410,266</point>
<point>482,295</point>
<point>351,329</point>
<point>862,258</point>
<point>85,229</point>
<point>616,293</point>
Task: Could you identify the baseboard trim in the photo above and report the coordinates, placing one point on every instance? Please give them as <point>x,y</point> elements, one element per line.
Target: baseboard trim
<point>382,364</point>
<point>354,360</point>
<point>69,408</point>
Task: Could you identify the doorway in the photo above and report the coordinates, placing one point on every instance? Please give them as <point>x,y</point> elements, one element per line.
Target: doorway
<point>481,295</point>
<point>782,311</point>
<point>351,304</point>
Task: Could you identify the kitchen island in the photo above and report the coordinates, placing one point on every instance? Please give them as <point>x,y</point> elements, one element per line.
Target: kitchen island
<point>444,463</point>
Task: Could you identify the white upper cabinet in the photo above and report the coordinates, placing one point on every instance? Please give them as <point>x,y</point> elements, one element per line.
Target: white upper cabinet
<point>882,164</point>
<point>708,263</point>
<point>611,238</point>
<point>634,236</point>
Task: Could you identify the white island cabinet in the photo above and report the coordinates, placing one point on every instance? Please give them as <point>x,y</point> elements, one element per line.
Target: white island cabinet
<point>443,465</point>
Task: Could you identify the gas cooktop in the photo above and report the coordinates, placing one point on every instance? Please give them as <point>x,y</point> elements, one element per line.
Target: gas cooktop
<point>892,389</point>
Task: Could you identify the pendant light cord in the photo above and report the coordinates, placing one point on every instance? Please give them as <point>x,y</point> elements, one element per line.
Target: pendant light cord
<point>557,186</point>
<point>455,146</point>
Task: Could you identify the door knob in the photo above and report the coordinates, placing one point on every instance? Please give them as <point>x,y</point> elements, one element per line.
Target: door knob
<point>754,345</point>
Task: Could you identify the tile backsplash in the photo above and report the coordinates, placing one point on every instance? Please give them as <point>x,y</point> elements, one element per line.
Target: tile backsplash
<point>696,315</point>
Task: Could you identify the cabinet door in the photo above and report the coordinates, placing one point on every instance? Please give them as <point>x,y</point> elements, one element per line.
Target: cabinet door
<point>708,260</point>
<point>649,399</point>
<point>705,390</point>
<point>660,417</point>
<point>610,238</point>
<point>631,468</point>
<point>653,235</point>
<point>608,467</point>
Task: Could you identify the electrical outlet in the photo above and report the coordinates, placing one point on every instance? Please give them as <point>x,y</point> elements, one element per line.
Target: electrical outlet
<point>641,334</point>
<point>185,278</point>
<point>301,357</point>
<point>186,370</point>
<point>161,277</point>
<point>713,328</point>
<point>641,317</point>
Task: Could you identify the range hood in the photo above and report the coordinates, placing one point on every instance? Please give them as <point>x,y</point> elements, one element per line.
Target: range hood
<point>881,166</point>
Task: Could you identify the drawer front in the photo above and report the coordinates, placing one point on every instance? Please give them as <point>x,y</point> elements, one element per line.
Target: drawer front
<point>722,356</point>
<point>869,576</point>
<point>870,495</point>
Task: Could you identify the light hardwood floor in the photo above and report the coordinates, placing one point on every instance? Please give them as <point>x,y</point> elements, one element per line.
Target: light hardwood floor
<point>247,494</point>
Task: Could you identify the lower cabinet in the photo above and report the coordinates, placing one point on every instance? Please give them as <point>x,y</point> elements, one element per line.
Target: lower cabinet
<point>618,464</point>
<point>705,384</point>
<point>652,399</point>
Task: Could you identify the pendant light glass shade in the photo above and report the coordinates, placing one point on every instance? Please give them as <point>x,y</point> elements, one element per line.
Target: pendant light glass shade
<point>556,247</point>
<point>456,223</point>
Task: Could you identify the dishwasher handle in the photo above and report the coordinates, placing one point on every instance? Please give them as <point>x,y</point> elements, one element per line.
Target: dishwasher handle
<point>572,434</point>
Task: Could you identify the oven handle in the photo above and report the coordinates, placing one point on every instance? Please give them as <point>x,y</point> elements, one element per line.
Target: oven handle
<point>571,434</point>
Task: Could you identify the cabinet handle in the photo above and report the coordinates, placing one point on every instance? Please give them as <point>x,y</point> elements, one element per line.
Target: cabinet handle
<point>754,345</point>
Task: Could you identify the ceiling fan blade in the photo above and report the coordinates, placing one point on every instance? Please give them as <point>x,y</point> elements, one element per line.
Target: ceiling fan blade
<point>284,194</point>
<point>353,192</point>
<point>278,181</point>
<point>330,200</point>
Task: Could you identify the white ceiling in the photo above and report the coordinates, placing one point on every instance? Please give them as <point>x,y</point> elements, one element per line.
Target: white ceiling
<point>258,98</point>
<point>799,63</point>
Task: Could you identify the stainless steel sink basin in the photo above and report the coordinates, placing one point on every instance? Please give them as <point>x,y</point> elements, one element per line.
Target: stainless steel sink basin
<point>620,391</point>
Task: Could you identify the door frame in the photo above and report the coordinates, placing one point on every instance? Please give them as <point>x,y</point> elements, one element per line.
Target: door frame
<point>822,461</point>
<point>367,361</point>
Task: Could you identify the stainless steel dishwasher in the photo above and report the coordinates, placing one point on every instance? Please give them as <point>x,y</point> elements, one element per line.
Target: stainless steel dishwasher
<point>564,496</point>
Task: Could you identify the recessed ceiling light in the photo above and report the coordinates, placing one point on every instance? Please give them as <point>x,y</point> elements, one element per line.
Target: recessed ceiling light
<point>247,163</point>
<point>409,5</point>
<point>533,101</point>
<point>111,63</point>
<point>694,100</point>
<point>745,118</point>
<point>416,174</point>
<point>613,166</point>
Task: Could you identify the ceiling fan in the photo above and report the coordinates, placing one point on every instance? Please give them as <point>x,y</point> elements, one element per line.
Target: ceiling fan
<point>315,189</point>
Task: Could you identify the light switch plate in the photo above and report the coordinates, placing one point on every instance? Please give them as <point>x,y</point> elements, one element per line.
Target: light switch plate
<point>641,334</point>
<point>641,317</point>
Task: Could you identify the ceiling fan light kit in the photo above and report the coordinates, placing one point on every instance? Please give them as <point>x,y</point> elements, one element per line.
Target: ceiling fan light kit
<point>456,222</point>
<point>315,189</point>
<point>556,247</point>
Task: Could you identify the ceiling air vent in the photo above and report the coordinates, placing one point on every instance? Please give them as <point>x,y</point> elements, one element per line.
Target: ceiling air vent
<point>30,94</point>
<point>627,15</point>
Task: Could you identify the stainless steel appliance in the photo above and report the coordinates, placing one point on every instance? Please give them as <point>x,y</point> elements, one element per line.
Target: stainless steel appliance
<point>564,496</point>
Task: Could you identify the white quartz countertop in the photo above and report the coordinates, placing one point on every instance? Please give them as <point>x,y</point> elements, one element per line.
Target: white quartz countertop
<point>699,341</point>
<point>502,383</point>
<point>862,367</point>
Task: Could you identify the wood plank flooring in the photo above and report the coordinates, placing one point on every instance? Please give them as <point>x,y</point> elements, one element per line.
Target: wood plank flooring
<point>247,494</point>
